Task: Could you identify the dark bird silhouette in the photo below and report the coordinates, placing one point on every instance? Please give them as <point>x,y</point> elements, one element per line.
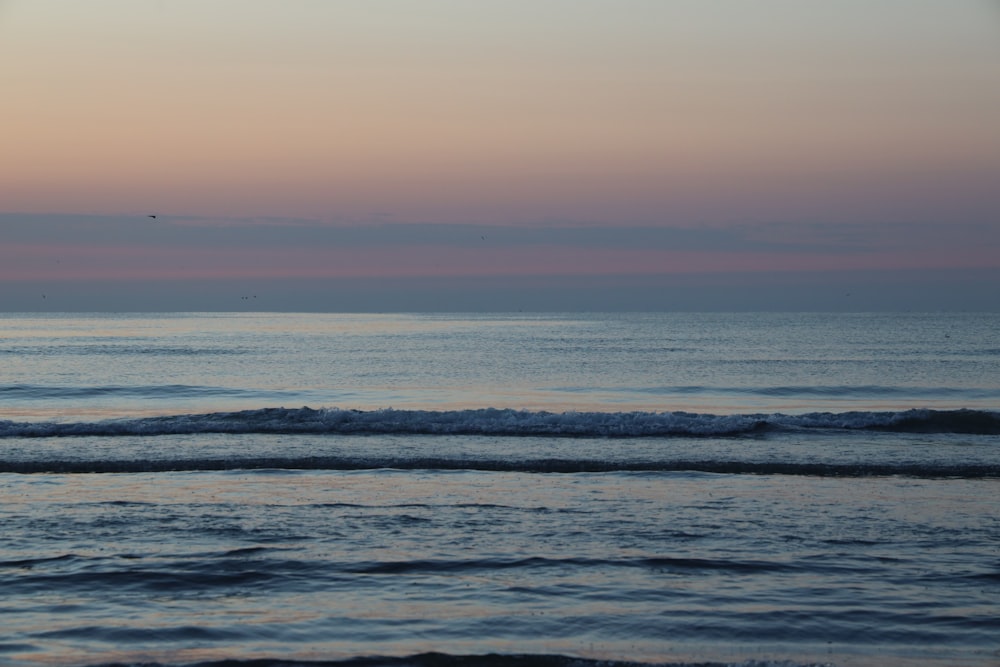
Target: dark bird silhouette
<point>151,216</point>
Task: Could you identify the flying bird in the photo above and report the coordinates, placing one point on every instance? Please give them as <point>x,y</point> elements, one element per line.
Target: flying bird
<point>151,216</point>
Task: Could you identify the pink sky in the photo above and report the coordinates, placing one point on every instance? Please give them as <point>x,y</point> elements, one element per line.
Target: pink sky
<point>778,135</point>
<point>37,263</point>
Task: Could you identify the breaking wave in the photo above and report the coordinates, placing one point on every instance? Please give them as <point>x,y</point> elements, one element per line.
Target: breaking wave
<point>513,423</point>
<point>498,423</point>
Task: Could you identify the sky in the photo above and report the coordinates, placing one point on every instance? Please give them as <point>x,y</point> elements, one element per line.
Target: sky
<point>450,155</point>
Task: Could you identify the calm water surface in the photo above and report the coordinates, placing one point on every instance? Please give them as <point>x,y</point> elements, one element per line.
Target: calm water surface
<point>433,489</point>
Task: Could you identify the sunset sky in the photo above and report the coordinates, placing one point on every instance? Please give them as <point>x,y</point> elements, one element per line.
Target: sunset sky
<point>499,155</point>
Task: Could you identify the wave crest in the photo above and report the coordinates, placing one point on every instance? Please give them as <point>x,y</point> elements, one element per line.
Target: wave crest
<point>512,423</point>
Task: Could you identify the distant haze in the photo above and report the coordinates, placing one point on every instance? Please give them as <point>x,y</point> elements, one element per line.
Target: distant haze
<point>462,155</point>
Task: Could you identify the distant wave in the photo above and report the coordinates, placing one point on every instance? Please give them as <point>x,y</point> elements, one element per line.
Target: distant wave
<point>169,391</point>
<point>827,391</point>
<point>514,423</point>
<point>121,350</point>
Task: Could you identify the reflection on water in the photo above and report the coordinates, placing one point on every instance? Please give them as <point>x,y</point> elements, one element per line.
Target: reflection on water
<point>79,367</point>
<point>657,567</point>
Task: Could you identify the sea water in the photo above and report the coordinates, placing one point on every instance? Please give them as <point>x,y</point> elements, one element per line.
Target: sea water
<point>556,489</point>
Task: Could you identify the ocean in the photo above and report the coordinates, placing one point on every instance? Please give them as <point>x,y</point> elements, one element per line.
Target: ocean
<point>754,489</point>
